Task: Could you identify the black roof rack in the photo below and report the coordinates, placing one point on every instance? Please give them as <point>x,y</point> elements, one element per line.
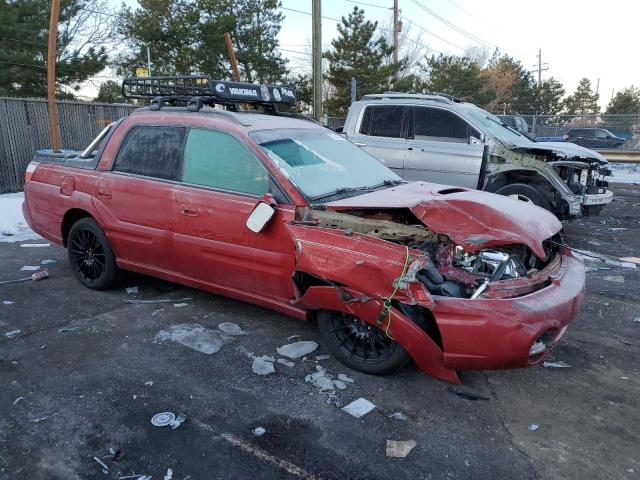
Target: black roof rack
<point>199,90</point>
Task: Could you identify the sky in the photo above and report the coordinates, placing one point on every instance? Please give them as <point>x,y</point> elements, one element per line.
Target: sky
<point>578,39</point>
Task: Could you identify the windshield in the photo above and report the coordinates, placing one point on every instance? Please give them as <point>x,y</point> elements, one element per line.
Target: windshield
<point>493,126</point>
<point>322,163</point>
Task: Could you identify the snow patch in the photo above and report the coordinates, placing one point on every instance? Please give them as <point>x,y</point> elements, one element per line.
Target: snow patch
<point>13,226</point>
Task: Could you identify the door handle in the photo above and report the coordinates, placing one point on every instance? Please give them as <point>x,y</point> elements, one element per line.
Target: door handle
<point>189,211</point>
<point>103,192</point>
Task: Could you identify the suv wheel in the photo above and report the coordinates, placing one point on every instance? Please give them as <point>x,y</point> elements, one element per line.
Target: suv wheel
<point>359,345</point>
<point>526,193</point>
<point>92,260</point>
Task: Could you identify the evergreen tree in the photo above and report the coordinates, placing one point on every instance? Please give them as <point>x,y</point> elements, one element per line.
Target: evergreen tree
<point>110,92</point>
<point>626,100</point>
<point>583,101</point>
<point>548,97</point>
<point>509,86</point>
<point>358,53</point>
<point>453,75</point>
<point>24,31</point>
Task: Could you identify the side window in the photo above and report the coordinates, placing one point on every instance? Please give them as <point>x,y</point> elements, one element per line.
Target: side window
<point>382,121</point>
<point>152,151</point>
<point>218,160</point>
<point>439,125</point>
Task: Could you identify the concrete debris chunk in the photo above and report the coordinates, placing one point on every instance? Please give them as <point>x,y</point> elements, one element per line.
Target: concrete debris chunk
<point>259,431</point>
<point>343,378</point>
<point>636,320</point>
<point>359,408</point>
<point>262,367</point>
<point>297,349</point>
<point>30,268</point>
<point>614,278</point>
<point>340,385</point>
<point>400,448</point>
<point>169,474</point>
<point>7,302</point>
<point>231,328</point>
<point>179,420</point>
<point>180,305</point>
<point>533,427</point>
<point>195,336</point>
<point>398,416</point>
<point>286,362</point>
<point>322,357</point>
<point>556,365</point>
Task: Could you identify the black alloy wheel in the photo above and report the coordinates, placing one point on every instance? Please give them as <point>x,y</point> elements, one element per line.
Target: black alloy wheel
<point>360,345</point>
<point>90,255</point>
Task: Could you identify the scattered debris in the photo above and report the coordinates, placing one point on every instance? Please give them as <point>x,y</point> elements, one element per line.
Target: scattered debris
<point>162,419</point>
<point>260,366</point>
<point>47,261</point>
<point>323,381</point>
<point>636,320</point>
<point>635,260</point>
<point>30,268</point>
<point>343,378</point>
<point>322,357</point>
<point>160,300</point>
<point>68,329</point>
<point>13,333</point>
<point>258,432</point>
<point>155,312</point>
<point>19,399</point>
<point>131,290</point>
<point>297,349</point>
<point>35,277</point>
<point>630,470</point>
<point>39,419</point>
<point>466,394</point>
<point>149,383</point>
<point>616,229</point>
<point>115,454</point>
<point>7,302</point>
<point>180,305</point>
<point>556,364</point>
<point>359,408</point>
<point>398,416</point>
<point>622,340</point>
<point>35,245</point>
<point>104,467</point>
<point>292,337</point>
<point>231,328</point>
<point>195,336</point>
<point>339,384</point>
<point>6,233</point>
<point>400,448</point>
<point>179,420</point>
<point>169,474</point>
<point>533,427</point>
<point>614,278</point>
<point>286,362</point>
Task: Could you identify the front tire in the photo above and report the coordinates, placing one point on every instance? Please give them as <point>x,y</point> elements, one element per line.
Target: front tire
<point>92,259</point>
<point>360,345</point>
<point>525,193</point>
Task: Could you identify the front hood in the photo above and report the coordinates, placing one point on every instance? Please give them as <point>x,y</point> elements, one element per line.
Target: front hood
<point>470,218</point>
<point>567,150</point>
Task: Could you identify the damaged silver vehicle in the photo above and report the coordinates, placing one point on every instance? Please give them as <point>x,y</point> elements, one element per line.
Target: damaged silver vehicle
<point>441,139</point>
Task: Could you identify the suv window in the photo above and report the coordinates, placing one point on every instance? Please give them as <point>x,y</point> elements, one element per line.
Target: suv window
<point>439,125</point>
<point>218,160</point>
<point>152,151</point>
<point>382,121</point>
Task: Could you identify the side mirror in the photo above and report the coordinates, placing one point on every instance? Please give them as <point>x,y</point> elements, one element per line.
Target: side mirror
<point>260,216</point>
<point>474,141</point>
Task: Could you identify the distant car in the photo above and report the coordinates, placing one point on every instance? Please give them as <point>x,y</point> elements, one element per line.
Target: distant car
<point>593,138</point>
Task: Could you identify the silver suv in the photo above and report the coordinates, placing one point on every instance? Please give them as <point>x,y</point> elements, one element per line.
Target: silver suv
<point>440,139</point>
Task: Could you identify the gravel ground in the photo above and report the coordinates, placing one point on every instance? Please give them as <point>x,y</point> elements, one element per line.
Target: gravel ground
<point>87,374</point>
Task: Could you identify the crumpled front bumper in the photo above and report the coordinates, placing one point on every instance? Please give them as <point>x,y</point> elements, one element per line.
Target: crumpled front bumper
<point>499,333</point>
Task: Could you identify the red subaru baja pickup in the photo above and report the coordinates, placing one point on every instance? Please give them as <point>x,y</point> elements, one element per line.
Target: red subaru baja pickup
<point>274,209</point>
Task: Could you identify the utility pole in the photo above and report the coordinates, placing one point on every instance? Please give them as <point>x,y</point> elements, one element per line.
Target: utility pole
<point>51,76</point>
<point>232,57</point>
<point>148,61</point>
<point>540,69</point>
<point>317,59</point>
<point>395,31</point>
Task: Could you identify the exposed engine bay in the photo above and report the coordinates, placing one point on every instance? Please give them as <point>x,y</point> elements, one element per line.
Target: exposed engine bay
<point>447,269</point>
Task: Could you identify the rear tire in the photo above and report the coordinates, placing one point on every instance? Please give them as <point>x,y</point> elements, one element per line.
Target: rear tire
<point>360,345</point>
<point>525,193</point>
<point>92,259</point>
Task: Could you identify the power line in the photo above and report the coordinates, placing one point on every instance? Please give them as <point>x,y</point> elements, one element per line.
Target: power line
<point>471,14</point>
<point>455,27</point>
<point>369,4</point>
<point>433,34</point>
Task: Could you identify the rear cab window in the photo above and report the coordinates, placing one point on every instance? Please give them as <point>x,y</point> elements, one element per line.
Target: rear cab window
<point>152,151</point>
<point>383,121</point>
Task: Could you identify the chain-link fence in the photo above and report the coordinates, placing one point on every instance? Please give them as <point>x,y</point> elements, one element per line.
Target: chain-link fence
<point>24,128</point>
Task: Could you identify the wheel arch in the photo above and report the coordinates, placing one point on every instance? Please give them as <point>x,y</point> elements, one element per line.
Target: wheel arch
<point>70,217</point>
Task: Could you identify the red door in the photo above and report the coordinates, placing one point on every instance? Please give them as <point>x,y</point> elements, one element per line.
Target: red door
<point>222,183</point>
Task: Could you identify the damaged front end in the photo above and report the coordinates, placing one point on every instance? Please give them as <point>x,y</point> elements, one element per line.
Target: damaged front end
<point>445,287</point>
